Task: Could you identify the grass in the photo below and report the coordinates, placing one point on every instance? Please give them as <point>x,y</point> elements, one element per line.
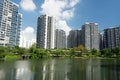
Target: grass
<point>12,57</point>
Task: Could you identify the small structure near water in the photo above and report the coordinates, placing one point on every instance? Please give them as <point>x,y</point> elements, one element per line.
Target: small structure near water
<point>25,57</point>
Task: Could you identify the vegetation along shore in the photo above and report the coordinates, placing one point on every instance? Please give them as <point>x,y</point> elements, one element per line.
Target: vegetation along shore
<point>16,53</point>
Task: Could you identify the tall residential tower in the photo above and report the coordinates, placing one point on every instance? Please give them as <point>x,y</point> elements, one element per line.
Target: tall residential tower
<point>45,32</point>
<point>10,23</point>
<point>74,38</point>
<point>90,36</point>
<point>111,37</point>
<point>60,39</point>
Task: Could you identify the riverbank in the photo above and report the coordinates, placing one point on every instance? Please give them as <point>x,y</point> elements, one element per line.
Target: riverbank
<point>15,53</point>
<point>20,57</point>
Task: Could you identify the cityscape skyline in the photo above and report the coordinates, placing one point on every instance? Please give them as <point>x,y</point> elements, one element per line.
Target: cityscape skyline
<point>88,37</point>
<point>105,13</point>
<point>64,12</point>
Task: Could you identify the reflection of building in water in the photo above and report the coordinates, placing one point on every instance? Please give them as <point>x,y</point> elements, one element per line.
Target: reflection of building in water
<point>110,70</point>
<point>51,67</point>
<point>23,71</point>
<point>77,70</point>
<point>53,70</point>
<point>2,74</point>
<point>7,72</point>
<point>93,70</point>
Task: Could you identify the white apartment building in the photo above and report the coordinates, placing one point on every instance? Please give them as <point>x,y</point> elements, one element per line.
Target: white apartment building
<point>10,23</point>
<point>45,32</point>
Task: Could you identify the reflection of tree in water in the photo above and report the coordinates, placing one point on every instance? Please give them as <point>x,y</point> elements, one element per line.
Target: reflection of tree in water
<point>61,69</point>
<point>7,71</point>
<point>37,69</point>
<point>85,69</point>
<point>93,69</point>
<point>23,70</point>
<point>110,69</point>
<point>68,69</point>
<point>77,69</point>
<point>52,69</point>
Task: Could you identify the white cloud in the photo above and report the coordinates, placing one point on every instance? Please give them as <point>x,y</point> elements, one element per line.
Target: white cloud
<point>27,37</point>
<point>62,10</point>
<point>68,14</point>
<point>28,33</point>
<point>61,24</point>
<point>28,5</point>
<point>53,8</point>
<point>73,3</point>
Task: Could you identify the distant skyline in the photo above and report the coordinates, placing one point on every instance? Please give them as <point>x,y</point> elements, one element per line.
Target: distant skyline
<point>71,14</point>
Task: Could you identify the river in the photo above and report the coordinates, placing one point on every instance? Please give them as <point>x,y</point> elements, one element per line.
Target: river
<point>61,69</point>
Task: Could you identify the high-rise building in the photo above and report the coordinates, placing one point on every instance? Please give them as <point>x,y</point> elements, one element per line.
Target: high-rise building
<point>10,23</point>
<point>101,40</point>
<point>60,38</point>
<point>45,32</point>
<point>74,38</point>
<point>90,36</point>
<point>111,37</point>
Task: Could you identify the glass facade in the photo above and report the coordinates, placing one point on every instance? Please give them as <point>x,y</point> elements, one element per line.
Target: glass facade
<point>10,23</point>
<point>111,37</point>
<point>45,32</point>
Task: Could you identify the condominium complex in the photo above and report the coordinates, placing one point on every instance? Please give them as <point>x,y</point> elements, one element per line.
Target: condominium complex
<point>101,41</point>
<point>90,36</point>
<point>10,23</point>
<point>45,32</point>
<point>60,39</point>
<point>73,39</point>
<point>111,37</point>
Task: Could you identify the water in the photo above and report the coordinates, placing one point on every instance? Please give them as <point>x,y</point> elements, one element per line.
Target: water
<point>61,69</point>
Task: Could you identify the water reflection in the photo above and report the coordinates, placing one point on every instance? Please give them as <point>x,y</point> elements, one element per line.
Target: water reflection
<point>51,69</point>
<point>61,69</point>
<point>2,74</point>
<point>55,69</point>
<point>111,69</point>
<point>93,69</point>
<point>23,71</point>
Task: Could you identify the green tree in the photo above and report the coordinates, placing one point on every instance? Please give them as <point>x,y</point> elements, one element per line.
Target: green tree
<point>95,52</point>
<point>33,48</point>
<point>40,53</point>
<point>106,52</point>
<point>116,51</point>
<point>3,52</point>
<point>21,51</point>
<point>82,49</point>
<point>72,52</point>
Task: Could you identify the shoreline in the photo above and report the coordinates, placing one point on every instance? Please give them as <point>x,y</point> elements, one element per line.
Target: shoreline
<point>19,57</point>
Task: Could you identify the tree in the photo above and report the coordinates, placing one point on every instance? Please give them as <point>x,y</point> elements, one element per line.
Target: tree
<point>106,52</point>
<point>72,52</point>
<point>21,51</point>
<point>33,48</point>
<point>82,49</point>
<point>95,52</point>
<point>116,51</point>
<point>3,52</point>
<point>40,53</point>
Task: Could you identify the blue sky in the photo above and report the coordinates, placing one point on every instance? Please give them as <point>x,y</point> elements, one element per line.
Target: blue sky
<point>104,12</point>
